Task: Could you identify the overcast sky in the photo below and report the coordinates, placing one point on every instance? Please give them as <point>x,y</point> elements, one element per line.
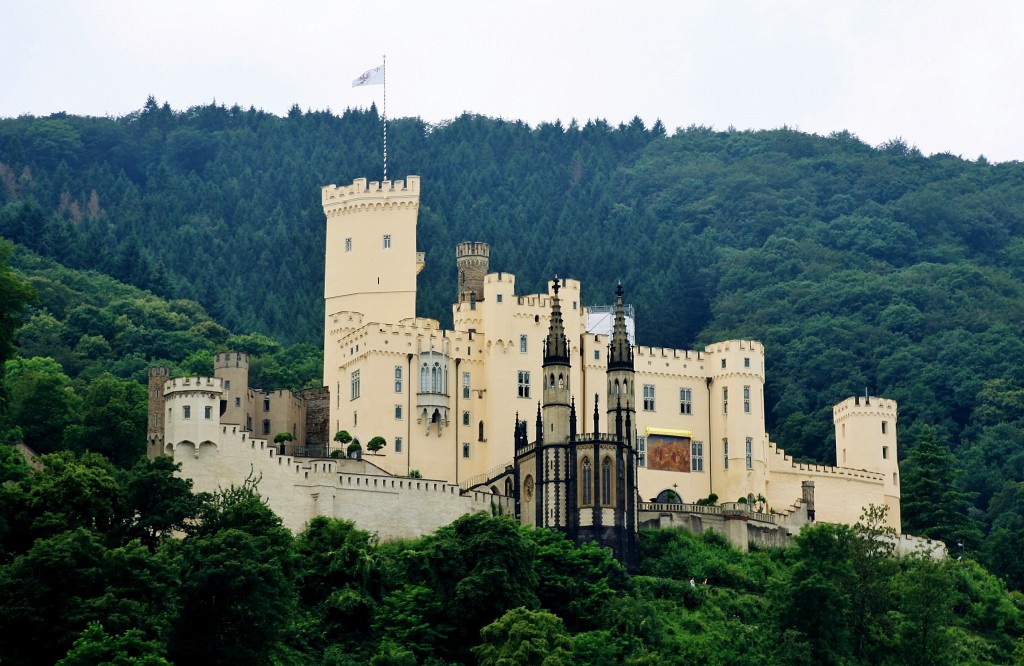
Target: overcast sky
<point>944,76</point>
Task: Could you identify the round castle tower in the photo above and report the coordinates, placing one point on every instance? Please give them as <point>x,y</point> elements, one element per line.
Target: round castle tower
<point>866,440</point>
<point>192,409</point>
<point>738,448</point>
<point>473,260</point>
<point>232,368</point>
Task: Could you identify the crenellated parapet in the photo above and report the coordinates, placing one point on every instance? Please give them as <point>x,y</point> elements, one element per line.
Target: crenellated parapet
<point>865,406</point>
<point>360,195</point>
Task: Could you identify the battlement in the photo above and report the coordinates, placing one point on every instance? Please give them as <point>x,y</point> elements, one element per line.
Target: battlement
<point>231,360</point>
<point>819,469</point>
<point>667,361</point>
<point>472,249</point>
<point>193,384</point>
<point>735,346</point>
<point>360,194</point>
<point>865,406</point>
<point>159,371</point>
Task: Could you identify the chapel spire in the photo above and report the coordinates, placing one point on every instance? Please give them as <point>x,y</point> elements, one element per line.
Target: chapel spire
<point>556,348</point>
<point>620,352</point>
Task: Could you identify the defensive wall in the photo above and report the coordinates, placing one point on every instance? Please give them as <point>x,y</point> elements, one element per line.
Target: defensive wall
<point>298,489</point>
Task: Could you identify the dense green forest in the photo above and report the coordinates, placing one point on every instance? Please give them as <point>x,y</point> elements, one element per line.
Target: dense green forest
<point>89,575</point>
<point>165,236</point>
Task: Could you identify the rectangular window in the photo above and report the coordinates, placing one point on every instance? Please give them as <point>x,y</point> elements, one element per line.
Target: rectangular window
<point>348,244</point>
<point>597,354</point>
<point>648,397</point>
<point>723,362</point>
<point>208,412</point>
<point>696,456</point>
<point>746,361</point>
<point>398,444</point>
<point>725,399</point>
<point>465,385</point>
<point>238,402</point>
<point>498,299</point>
<point>685,401</point>
<point>465,418</point>
<point>884,427</point>
<point>398,412</point>
<point>248,422</point>
<point>186,412</point>
<point>746,399</point>
<point>885,453</point>
<point>524,383</point>
<point>354,378</point>
<point>227,384</point>
<point>398,379</point>
<point>465,449</point>
<point>387,241</point>
<point>266,404</point>
<point>750,453</point>
<point>522,344</point>
<point>641,451</point>
<point>266,426</point>
<point>725,453</point>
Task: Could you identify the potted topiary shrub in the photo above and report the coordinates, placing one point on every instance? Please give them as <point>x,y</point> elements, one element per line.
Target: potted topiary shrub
<point>376,444</point>
<point>355,449</point>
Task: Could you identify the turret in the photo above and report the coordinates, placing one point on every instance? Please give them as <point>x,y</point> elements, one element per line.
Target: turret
<point>192,405</point>
<point>233,370</point>
<point>621,393</point>
<point>866,440</point>
<point>472,260</point>
<point>555,375</point>
<point>158,375</point>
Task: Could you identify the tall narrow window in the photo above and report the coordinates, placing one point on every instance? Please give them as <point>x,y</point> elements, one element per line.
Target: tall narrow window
<point>725,399</point>
<point>746,361</point>
<point>348,244</point>
<point>437,380</point>
<point>884,427</point>
<point>480,434</point>
<point>648,397</point>
<point>522,344</point>
<point>465,449</point>
<point>749,451</point>
<point>524,383</point>
<point>398,379</point>
<point>465,385</point>
<point>725,453</point>
<point>186,412</point>
<point>266,404</point>
<point>266,426</point>
<point>387,241</point>
<point>465,418</point>
<point>746,399</point>
<point>586,483</point>
<point>641,451</point>
<point>606,482</point>
<point>696,456</point>
<point>685,401</point>
<point>208,412</point>
<point>398,412</point>
<point>398,444</point>
<point>354,379</point>
<point>424,378</point>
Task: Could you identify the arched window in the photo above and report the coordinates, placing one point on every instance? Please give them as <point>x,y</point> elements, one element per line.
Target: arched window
<point>551,381</point>
<point>606,482</point>
<point>480,436</point>
<point>424,378</point>
<point>508,488</point>
<point>586,483</point>
<point>435,375</point>
<point>616,392</point>
<point>561,382</point>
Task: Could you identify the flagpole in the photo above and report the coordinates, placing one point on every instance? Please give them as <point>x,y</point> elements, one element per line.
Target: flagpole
<point>385,115</point>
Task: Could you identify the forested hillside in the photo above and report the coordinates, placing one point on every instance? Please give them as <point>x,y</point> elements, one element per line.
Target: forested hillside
<point>860,267</point>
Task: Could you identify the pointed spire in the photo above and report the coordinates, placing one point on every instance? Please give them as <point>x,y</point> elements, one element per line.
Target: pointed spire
<point>620,352</point>
<point>597,416</point>
<point>540,426</point>
<point>572,419</point>
<point>556,347</point>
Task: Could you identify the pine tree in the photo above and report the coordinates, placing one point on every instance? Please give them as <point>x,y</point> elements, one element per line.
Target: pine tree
<point>933,505</point>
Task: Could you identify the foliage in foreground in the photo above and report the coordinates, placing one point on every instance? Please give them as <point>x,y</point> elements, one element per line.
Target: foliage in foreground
<point>93,575</point>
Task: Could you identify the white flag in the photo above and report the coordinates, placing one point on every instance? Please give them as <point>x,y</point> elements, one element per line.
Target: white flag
<point>371,77</point>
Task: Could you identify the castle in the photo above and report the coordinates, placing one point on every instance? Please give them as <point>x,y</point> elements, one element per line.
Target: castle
<point>454,405</point>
